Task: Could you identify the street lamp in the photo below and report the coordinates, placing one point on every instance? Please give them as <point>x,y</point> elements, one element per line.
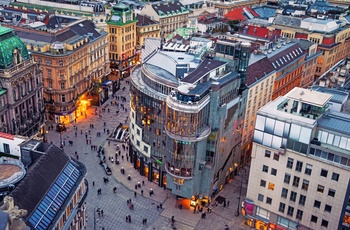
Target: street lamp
<point>95,216</point>
<point>240,193</point>
<point>61,143</point>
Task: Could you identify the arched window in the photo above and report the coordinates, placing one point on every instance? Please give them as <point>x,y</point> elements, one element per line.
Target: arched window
<point>21,90</point>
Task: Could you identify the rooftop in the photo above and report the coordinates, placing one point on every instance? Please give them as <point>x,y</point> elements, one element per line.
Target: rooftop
<point>335,121</point>
<point>309,96</point>
<point>204,68</point>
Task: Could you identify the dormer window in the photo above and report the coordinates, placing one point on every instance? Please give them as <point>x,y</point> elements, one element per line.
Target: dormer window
<point>17,56</point>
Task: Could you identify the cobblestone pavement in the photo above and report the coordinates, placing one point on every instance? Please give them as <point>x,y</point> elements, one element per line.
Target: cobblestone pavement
<point>114,205</point>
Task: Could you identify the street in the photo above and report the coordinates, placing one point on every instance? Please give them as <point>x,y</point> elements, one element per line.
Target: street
<point>114,205</point>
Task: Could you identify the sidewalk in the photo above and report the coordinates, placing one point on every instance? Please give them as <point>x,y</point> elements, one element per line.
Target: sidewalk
<point>146,206</point>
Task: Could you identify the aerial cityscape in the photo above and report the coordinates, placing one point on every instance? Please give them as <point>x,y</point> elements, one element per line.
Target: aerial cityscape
<point>176,114</point>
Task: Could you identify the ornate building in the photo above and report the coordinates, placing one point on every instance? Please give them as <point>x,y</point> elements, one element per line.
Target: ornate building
<point>122,40</point>
<point>21,99</point>
<point>74,63</point>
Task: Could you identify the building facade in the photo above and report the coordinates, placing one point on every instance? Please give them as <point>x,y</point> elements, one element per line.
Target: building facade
<point>122,40</point>
<point>185,121</point>
<point>332,37</point>
<point>300,165</point>
<point>170,15</point>
<point>74,61</point>
<point>145,28</point>
<point>22,109</point>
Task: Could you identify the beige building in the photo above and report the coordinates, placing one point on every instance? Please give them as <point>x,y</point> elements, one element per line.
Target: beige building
<point>72,60</point>
<point>331,37</point>
<point>299,173</point>
<point>122,40</point>
<point>260,79</point>
<point>170,15</point>
<point>146,28</point>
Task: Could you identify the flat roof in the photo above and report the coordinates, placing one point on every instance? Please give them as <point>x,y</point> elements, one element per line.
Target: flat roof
<point>309,96</point>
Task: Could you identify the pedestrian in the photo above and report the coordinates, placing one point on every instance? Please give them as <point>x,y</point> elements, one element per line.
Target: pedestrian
<point>109,143</point>
<point>93,183</point>
<point>114,189</point>
<point>141,192</point>
<point>76,134</point>
<point>228,203</point>
<point>102,212</point>
<point>129,218</point>
<point>135,194</point>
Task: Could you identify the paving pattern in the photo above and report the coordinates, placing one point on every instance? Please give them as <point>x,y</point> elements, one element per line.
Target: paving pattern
<point>114,205</point>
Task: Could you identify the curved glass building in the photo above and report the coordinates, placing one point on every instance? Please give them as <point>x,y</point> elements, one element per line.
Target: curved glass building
<point>185,116</point>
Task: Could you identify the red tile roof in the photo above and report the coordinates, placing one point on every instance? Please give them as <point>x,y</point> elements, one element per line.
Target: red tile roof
<point>262,32</point>
<point>238,14</point>
<point>7,136</point>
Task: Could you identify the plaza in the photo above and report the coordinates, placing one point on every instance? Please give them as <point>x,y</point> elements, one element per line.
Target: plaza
<point>114,205</point>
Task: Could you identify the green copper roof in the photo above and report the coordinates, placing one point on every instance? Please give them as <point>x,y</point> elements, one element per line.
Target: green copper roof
<point>8,43</point>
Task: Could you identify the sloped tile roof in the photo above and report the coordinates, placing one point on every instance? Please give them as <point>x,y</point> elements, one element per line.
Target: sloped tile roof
<point>239,14</point>
<point>289,55</point>
<point>169,7</point>
<point>258,70</point>
<point>144,20</point>
<point>32,189</point>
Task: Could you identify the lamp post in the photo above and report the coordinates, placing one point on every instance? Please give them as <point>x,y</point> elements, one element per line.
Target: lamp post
<point>95,217</point>
<point>61,144</point>
<point>240,193</point>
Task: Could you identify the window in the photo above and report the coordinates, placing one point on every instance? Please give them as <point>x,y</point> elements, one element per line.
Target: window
<point>63,98</point>
<point>293,196</point>
<point>276,156</point>
<point>6,148</point>
<point>63,85</point>
<point>328,208</point>
<point>261,197</point>
<point>286,178</point>
<point>302,200</point>
<point>308,169</point>
<point>331,192</point>
<point>314,219</point>
<point>299,214</point>
<point>284,193</point>
<point>320,188</point>
<point>296,181</point>
<point>324,223</point>
<point>317,204</point>
<point>290,211</point>
<point>49,71</point>
<point>282,207</point>
<point>267,153</point>
<point>290,163</point>
<point>60,63</point>
<point>138,143</point>
<point>262,183</point>
<point>50,84</point>
<point>268,200</point>
<point>273,171</point>
<point>265,168</point>
<point>271,186</point>
<point>335,176</point>
<point>305,185</point>
<point>324,172</point>
<point>299,166</point>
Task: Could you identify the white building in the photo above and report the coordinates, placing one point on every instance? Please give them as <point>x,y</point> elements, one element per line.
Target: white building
<point>9,144</point>
<point>299,174</point>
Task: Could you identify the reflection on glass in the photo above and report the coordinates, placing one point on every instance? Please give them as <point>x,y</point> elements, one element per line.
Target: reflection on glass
<point>286,130</point>
<point>305,135</point>
<point>279,126</point>
<point>258,136</point>
<point>270,125</point>
<point>276,142</point>
<point>343,141</point>
<point>267,139</point>
<point>295,131</point>
<point>260,123</point>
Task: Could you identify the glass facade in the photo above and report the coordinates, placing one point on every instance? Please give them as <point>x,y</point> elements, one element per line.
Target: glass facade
<point>187,124</point>
<point>180,157</point>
